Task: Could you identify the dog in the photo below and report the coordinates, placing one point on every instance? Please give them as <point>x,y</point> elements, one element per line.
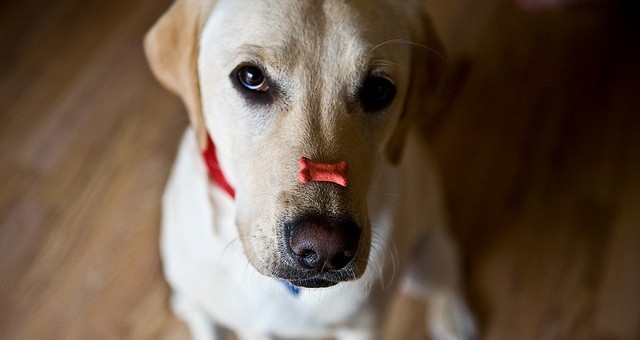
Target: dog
<point>303,196</point>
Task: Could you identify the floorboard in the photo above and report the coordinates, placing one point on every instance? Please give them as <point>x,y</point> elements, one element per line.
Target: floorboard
<point>538,138</point>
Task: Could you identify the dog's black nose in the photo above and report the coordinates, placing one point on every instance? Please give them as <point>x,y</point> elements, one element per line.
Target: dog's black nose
<point>323,244</point>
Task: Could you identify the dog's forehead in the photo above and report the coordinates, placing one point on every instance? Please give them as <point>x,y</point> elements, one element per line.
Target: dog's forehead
<point>306,33</point>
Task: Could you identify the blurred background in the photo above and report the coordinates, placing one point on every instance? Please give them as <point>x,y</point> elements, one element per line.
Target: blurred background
<point>538,138</point>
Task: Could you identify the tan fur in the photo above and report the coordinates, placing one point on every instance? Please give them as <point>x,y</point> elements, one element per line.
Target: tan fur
<point>318,53</point>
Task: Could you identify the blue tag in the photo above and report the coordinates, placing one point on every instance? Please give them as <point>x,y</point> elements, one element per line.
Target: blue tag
<point>293,289</point>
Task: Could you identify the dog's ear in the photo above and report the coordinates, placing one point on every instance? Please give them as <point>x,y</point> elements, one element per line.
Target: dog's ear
<point>172,47</point>
<point>427,72</point>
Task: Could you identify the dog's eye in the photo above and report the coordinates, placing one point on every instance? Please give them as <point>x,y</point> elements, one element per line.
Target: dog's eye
<point>377,93</point>
<point>252,78</point>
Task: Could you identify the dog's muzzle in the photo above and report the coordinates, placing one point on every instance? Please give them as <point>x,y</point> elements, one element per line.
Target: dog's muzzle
<point>320,244</point>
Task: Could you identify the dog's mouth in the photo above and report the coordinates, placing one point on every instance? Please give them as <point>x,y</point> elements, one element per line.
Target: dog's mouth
<point>316,240</point>
<point>320,251</point>
<point>314,283</point>
<point>316,279</point>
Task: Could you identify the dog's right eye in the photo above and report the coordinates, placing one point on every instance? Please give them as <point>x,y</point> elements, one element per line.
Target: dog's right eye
<point>377,93</point>
<point>252,78</point>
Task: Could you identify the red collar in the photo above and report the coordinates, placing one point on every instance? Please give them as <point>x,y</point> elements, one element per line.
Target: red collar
<point>215,173</point>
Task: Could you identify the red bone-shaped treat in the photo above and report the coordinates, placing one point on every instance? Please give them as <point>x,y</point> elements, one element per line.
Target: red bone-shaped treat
<point>311,171</point>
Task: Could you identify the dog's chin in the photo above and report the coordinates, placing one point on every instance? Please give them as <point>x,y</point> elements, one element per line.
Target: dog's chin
<point>313,283</point>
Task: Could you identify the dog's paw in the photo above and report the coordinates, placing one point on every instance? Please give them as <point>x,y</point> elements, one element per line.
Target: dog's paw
<point>244,335</point>
<point>200,327</point>
<point>449,318</point>
<point>355,334</point>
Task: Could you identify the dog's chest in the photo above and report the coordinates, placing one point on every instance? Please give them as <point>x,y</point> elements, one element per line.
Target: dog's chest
<point>238,296</point>
<point>204,261</point>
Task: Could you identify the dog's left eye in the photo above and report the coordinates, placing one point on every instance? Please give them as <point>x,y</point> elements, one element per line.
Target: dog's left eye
<point>377,93</point>
<point>252,78</point>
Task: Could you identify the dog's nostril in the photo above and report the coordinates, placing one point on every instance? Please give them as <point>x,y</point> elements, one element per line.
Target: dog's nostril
<point>308,253</point>
<point>323,245</point>
<point>342,259</point>
<point>309,259</point>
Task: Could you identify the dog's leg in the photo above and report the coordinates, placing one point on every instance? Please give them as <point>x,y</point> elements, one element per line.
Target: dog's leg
<point>356,334</point>
<point>200,326</point>
<point>434,275</point>
<point>243,335</point>
<point>448,317</point>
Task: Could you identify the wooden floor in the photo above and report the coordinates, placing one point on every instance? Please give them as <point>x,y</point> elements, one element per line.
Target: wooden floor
<point>539,142</point>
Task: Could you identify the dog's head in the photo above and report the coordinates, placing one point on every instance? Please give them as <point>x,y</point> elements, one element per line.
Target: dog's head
<point>304,99</point>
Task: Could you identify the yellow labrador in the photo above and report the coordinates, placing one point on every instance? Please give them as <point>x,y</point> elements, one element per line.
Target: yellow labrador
<point>301,199</point>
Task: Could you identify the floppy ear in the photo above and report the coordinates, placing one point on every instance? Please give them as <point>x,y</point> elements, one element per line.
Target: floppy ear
<point>427,72</point>
<point>172,47</point>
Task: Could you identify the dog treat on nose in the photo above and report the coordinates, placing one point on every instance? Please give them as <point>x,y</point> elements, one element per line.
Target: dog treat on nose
<point>311,171</point>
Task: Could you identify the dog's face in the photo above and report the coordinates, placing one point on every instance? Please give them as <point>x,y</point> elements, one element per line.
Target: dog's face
<point>327,80</point>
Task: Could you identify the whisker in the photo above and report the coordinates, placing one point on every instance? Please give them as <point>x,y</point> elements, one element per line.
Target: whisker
<point>228,246</point>
<point>261,195</point>
<point>386,248</point>
<point>383,63</point>
<point>408,42</point>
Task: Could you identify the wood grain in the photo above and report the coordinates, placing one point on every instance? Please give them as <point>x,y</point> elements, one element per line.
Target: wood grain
<point>539,142</point>
<point>540,149</point>
<point>87,139</point>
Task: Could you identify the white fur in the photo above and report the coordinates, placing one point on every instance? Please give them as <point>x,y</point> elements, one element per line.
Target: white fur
<point>221,257</point>
<point>212,279</point>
